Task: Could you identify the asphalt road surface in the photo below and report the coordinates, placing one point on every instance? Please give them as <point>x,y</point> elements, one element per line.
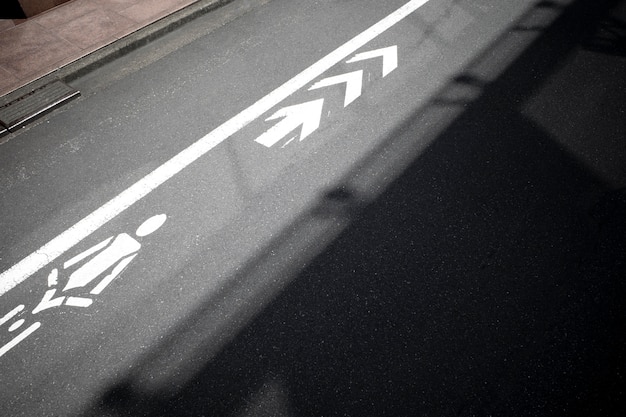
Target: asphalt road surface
<point>351,208</point>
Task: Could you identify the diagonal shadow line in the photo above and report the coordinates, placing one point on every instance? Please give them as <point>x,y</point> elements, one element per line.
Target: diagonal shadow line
<point>209,342</point>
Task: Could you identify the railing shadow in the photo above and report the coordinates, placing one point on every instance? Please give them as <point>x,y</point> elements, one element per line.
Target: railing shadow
<point>487,279</point>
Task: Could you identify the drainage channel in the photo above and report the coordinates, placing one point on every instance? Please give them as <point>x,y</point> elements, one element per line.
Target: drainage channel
<point>34,104</point>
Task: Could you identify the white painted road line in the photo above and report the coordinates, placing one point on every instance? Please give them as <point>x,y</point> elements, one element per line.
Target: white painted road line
<point>59,245</point>
<point>11,314</point>
<point>308,115</point>
<point>389,55</point>
<point>4,349</point>
<point>353,81</point>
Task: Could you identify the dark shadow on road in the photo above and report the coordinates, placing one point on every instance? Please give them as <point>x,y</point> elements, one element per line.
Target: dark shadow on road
<point>488,279</point>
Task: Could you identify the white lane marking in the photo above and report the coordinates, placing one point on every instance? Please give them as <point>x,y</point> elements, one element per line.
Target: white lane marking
<point>53,278</point>
<point>151,225</point>
<point>308,115</point>
<point>4,349</point>
<point>76,259</point>
<point>289,141</point>
<point>16,325</point>
<point>109,278</point>
<point>122,245</point>
<point>78,302</point>
<point>389,55</point>
<point>59,245</point>
<point>48,302</point>
<point>353,81</point>
<point>11,314</point>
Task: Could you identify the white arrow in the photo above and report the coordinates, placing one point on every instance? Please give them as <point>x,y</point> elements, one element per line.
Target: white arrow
<point>308,115</point>
<point>354,84</point>
<point>389,55</point>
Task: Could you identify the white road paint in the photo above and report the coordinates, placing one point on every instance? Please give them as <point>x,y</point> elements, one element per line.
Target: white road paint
<point>109,278</point>
<point>76,259</point>
<point>389,55</point>
<point>122,246</point>
<point>4,349</point>
<point>17,310</point>
<point>16,325</point>
<point>48,302</point>
<point>53,277</point>
<point>289,141</point>
<point>151,225</point>
<point>78,302</point>
<point>111,255</point>
<point>59,245</point>
<point>115,252</point>
<point>308,115</point>
<point>353,81</point>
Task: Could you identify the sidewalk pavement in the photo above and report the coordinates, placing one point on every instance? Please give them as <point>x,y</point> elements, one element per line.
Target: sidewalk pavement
<point>76,36</point>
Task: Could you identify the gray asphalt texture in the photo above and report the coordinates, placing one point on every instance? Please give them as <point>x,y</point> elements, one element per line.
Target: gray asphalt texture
<point>484,275</point>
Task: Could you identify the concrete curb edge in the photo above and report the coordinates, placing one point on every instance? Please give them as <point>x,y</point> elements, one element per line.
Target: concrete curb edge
<point>118,48</point>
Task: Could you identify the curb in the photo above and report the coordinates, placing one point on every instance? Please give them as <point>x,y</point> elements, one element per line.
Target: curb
<point>118,48</point>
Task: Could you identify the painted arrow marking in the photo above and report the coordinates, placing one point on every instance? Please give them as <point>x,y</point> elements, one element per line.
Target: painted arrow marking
<point>56,247</point>
<point>389,55</point>
<point>308,115</point>
<point>353,81</point>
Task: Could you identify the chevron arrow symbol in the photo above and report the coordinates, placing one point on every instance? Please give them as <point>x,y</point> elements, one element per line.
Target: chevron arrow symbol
<point>308,115</point>
<point>389,55</point>
<point>353,81</point>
